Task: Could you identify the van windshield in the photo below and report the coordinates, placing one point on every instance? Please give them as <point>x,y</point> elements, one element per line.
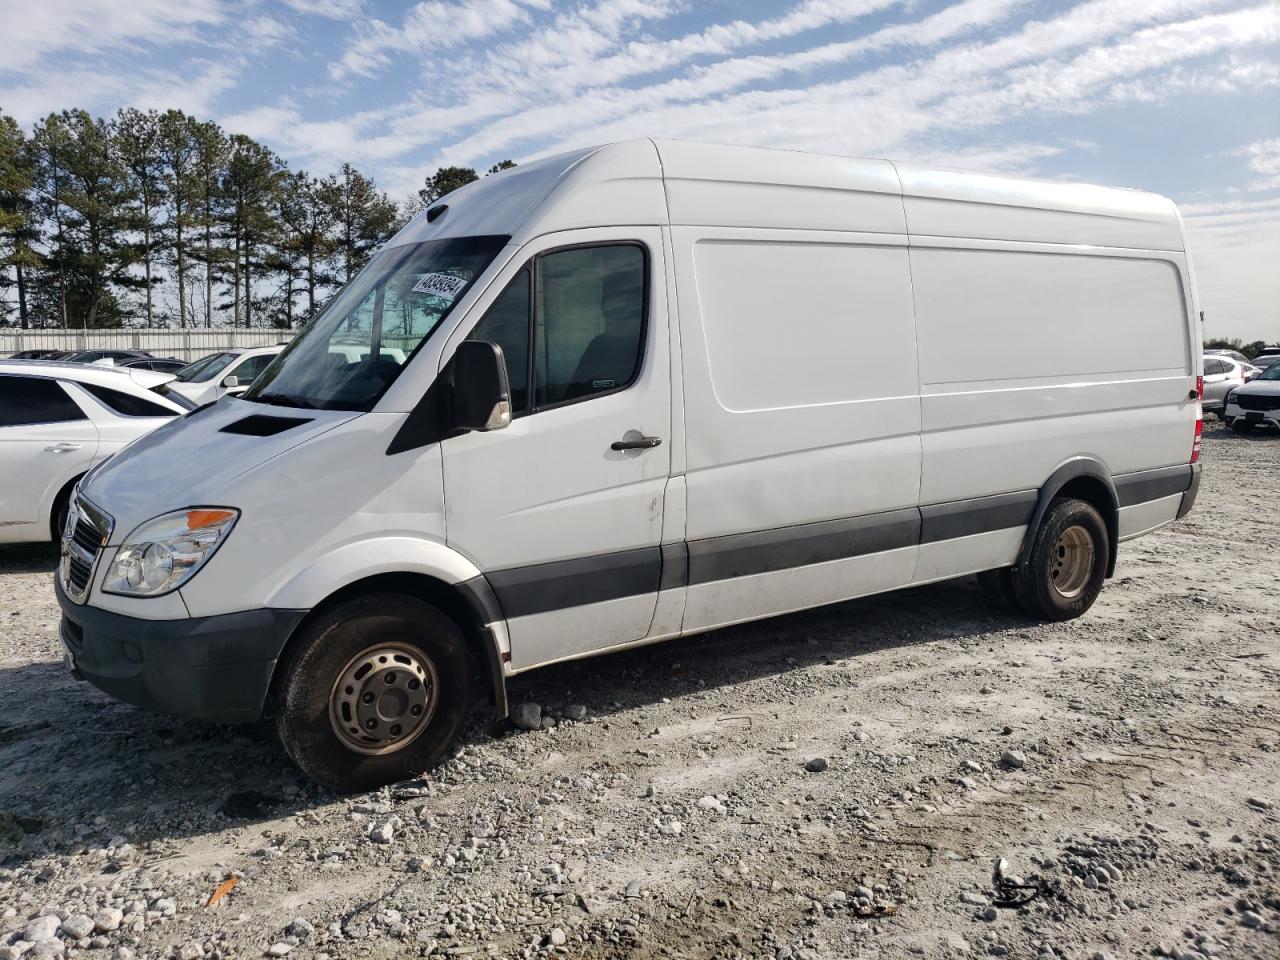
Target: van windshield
<point>348,356</point>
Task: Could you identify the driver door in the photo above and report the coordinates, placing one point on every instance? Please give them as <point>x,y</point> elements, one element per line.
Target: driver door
<point>562,510</point>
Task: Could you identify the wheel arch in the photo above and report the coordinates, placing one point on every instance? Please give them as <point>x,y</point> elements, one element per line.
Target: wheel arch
<point>52,512</point>
<point>470,604</point>
<point>1082,478</point>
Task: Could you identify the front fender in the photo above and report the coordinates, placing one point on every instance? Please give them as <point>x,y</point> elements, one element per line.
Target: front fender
<point>366,558</point>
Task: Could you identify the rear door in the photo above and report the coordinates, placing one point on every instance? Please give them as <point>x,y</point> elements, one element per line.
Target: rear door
<point>563,509</point>
<point>46,440</point>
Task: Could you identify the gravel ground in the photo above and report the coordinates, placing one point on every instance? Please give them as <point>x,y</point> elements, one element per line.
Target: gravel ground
<point>909,775</point>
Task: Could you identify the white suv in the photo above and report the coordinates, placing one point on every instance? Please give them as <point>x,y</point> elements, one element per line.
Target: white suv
<point>230,371</point>
<point>59,419</point>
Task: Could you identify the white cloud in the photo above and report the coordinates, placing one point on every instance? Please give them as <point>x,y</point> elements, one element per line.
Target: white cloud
<point>333,9</point>
<point>430,26</point>
<point>1264,159</point>
<point>92,26</point>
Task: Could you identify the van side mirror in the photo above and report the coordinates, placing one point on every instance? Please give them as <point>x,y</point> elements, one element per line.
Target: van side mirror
<point>481,393</point>
<point>231,381</point>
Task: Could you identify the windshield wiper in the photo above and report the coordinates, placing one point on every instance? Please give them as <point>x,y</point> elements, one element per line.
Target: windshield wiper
<point>285,400</point>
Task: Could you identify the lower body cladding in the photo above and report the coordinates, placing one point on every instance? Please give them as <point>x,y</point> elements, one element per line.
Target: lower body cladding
<point>221,668</point>
<point>739,577</point>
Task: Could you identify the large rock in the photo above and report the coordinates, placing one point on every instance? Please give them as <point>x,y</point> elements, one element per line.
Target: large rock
<point>108,919</point>
<point>527,716</point>
<point>77,927</point>
<point>42,928</point>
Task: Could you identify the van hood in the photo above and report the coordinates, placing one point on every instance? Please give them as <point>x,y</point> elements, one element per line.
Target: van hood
<point>193,460</point>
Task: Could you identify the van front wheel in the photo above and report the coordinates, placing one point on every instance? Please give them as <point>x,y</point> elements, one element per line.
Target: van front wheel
<point>1068,562</point>
<point>376,690</point>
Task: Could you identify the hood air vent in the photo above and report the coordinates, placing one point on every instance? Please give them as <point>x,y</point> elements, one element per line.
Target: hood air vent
<point>263,425</point>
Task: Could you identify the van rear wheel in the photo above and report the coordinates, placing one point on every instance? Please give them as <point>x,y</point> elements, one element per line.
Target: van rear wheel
<point>376,690</point>
<point>1063,574</point>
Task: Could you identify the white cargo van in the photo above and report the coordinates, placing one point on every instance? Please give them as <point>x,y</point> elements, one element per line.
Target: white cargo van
<point>633,393</point>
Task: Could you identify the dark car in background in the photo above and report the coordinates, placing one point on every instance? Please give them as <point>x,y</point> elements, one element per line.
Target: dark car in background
<point>160,364</point>
<point>116,356</point>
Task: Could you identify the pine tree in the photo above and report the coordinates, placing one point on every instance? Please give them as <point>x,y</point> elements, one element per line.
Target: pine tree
<point>444,181</point>
<point>137,142</point>
<point>94,211</point>
<point>363,216</point>
<point>212,155</point>
<point>307,222</point>
<point>177,144</point>
<point>18,227</point>
<point>249,188</point>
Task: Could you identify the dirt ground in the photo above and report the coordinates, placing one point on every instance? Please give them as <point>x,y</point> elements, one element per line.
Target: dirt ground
<point>1123,766</point>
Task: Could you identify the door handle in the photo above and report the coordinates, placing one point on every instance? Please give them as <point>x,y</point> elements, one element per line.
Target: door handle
<point>1194,395</point>
<point>639,443</point>
<point>63,447</point>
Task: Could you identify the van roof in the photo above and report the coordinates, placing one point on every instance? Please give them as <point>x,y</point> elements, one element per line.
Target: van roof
<point>683,183</point>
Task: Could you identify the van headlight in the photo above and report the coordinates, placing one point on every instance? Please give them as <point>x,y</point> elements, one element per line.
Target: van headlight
<point>164,553</point>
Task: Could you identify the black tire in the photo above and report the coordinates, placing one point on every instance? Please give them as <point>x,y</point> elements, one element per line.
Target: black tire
<point>61,507</point>
<point>328,646</point>
<point>1068,562</point>
<point>1240,425</point>
<point>997,589</point>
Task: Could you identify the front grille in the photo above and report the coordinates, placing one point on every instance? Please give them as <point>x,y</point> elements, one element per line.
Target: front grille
<point>1251,401</point>
<point>82,544</point>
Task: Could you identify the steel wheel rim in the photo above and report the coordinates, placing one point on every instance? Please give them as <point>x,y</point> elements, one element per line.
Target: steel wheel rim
<point>383,699</point>
<point>1071,564</point>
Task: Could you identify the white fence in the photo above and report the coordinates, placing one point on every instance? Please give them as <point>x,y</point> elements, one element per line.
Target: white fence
<point>190,344</point>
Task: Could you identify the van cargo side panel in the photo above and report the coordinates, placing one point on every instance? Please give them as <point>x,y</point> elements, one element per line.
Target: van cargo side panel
<point>800,398</point>
<point>1029,358</point>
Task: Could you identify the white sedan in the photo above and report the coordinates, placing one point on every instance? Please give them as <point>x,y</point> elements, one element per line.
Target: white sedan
<point>217,374</point>
<point>59,419</point>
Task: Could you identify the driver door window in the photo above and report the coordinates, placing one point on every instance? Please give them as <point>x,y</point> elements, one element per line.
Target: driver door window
<point>587,329</point>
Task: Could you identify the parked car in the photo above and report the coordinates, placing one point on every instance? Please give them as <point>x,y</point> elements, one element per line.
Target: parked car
<point>1235,355</point>
<point>1268,352</point>
<point>57,421</point>
<point>230,371</point>
<point>1255,404</point>
<point>162,364</point>
<point>569,461</point>
<point>98,356</point>
<point>37,355</point>
<point>1263,362</point>
<point>1221,376</point>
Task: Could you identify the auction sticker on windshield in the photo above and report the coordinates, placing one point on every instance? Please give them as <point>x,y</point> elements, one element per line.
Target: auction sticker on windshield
<point>440,284</point>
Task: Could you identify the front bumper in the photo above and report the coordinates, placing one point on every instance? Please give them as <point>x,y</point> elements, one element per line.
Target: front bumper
<point>212,668</point>
<point>1259,418</point>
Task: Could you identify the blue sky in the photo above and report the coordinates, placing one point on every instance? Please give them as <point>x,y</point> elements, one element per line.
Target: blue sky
<point>1177,96</point>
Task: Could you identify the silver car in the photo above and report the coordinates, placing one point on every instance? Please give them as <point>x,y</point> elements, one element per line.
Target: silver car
<point>1221,376</point>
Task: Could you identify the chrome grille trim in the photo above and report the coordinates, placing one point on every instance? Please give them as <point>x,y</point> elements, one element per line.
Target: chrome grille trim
<point>89,530</point>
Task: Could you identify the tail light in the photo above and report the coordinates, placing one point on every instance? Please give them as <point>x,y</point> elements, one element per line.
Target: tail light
<point>1199,434</point>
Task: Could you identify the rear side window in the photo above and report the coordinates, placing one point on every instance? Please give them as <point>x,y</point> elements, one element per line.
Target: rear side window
<point>572,323</point>
<point>126,404</point>
<point>1213,367</point>
<point>25,400</point>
